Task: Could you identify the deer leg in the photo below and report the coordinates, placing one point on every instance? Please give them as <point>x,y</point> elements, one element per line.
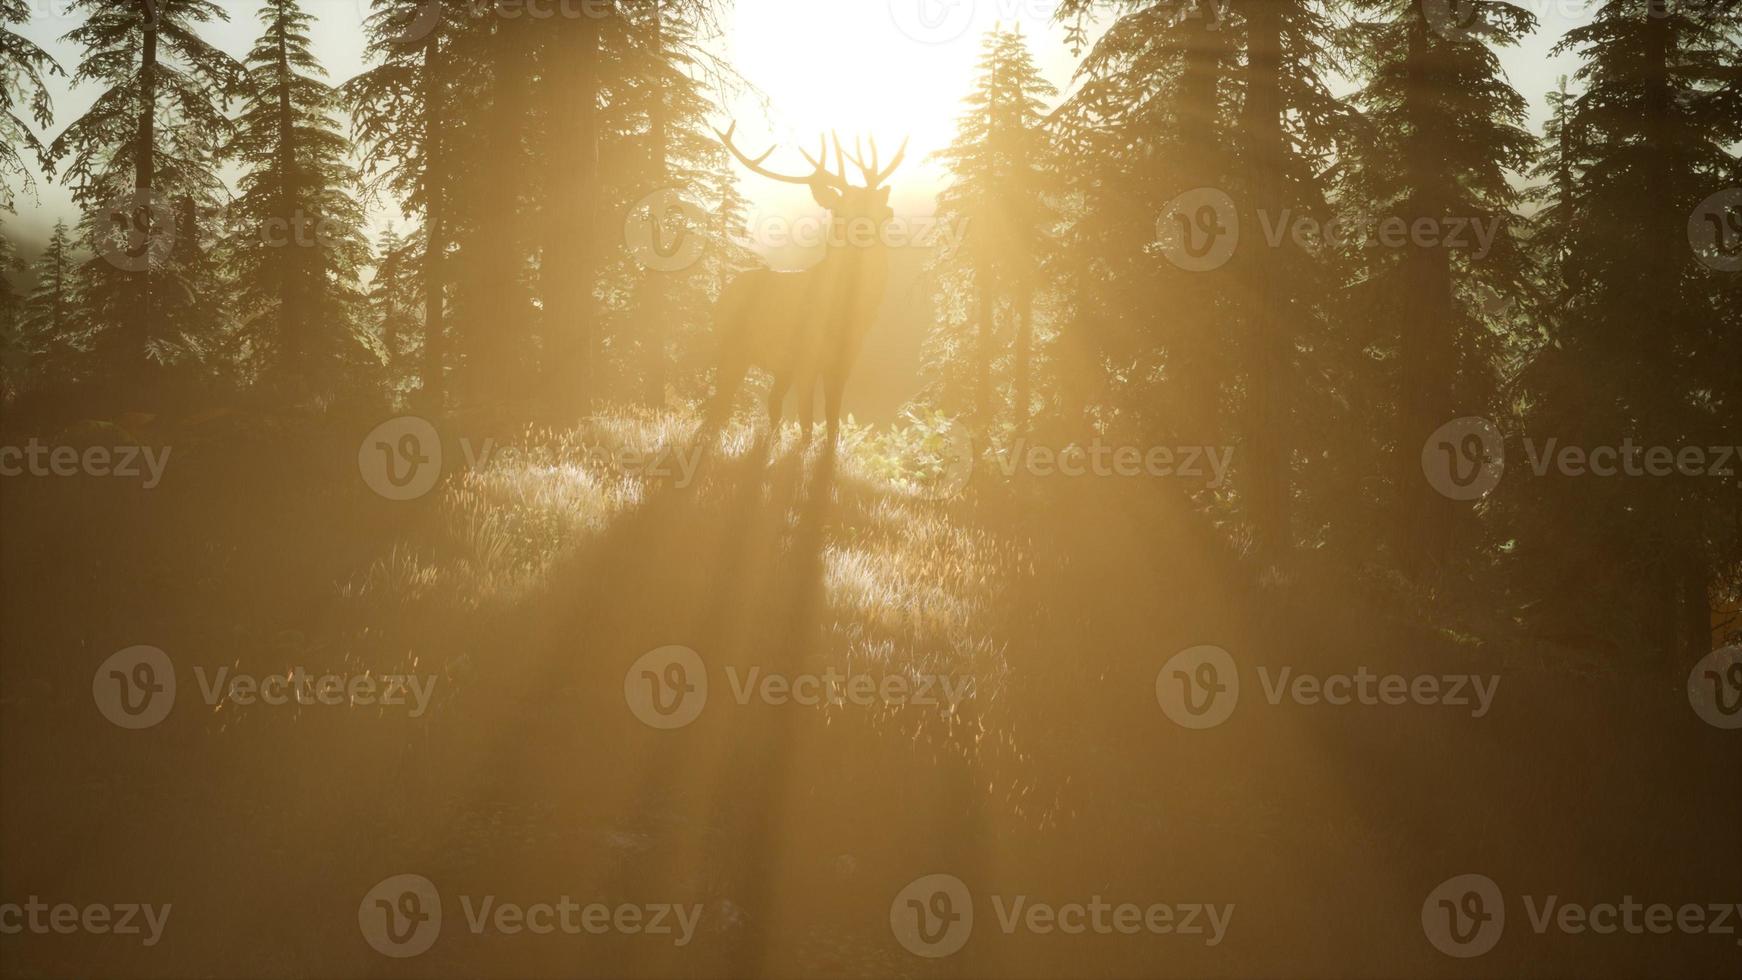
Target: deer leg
<point>807,404</point>
<point>832,391</point>
<point>776,402</point>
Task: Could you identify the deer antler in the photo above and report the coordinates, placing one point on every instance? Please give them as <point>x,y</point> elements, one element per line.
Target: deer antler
<point>874,176</point>
<point>820,173</point>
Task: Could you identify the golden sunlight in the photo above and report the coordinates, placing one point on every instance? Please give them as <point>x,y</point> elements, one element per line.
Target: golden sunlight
<point>1180,489</point>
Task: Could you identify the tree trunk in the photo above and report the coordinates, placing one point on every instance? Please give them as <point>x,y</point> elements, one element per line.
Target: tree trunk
<point>289,267</point>
<point>1022,355</point>
<point>655,309</point>
<point>1269,339</point>
<point>138,327</point>
<point>435,234</point>
<point>567,274</point>
<point>1428,346</point>
<point>987,309</point>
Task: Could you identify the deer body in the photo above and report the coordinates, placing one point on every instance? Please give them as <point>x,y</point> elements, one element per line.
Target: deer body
<point>806,328</point>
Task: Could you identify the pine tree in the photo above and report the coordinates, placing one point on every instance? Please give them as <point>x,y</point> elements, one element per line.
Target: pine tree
<point>493,321</point>
<point>1289,123</point>
<point>53,326</point>
<point>1151,120</point>
<point>15,349</point>
<point>140,156</point>
<point>660,141</point>
<point>1561,157</point>
<point>23,88</point>
<point>395,308</point>
<point>1646,347</point>
<point>1001,177</point>
<point>1443,132</point>
<point>297,248</point>
<point>402,112</point>
<point>568,101</point>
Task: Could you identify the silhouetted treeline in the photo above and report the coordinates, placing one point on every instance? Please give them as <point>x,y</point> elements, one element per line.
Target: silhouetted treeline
<point>1556,285</point>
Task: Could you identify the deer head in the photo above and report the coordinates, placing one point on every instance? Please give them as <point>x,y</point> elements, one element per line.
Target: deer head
<point>849,204</point>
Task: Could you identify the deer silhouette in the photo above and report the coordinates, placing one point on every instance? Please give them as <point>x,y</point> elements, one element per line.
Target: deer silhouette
<point>807,327</point>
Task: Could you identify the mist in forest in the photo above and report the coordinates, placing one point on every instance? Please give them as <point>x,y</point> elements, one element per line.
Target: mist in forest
<point>900,488</point>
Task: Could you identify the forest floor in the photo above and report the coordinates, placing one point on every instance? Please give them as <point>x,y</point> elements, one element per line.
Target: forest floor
<point>521,594</point>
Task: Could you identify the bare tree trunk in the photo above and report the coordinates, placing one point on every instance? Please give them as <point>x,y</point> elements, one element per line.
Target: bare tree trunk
<point>987,305</point>
<point>1023,355</point>
<point>138,328</point>
<point>1428,347</point>
<point>654,329</point>
<point>567,275</point>
<point>435,234</point>
<point>289,268</point>
<point>1269,339</point>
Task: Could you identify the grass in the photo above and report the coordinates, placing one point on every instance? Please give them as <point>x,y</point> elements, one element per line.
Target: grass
<point>525,586</point>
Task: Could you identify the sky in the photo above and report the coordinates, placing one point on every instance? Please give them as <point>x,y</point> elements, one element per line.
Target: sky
<point>884,68</point>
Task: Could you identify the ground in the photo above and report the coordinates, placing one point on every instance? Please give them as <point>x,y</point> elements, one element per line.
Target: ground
<point>527,584</point>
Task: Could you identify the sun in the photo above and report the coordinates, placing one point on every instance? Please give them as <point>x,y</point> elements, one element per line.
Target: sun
<point>893,69</point>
